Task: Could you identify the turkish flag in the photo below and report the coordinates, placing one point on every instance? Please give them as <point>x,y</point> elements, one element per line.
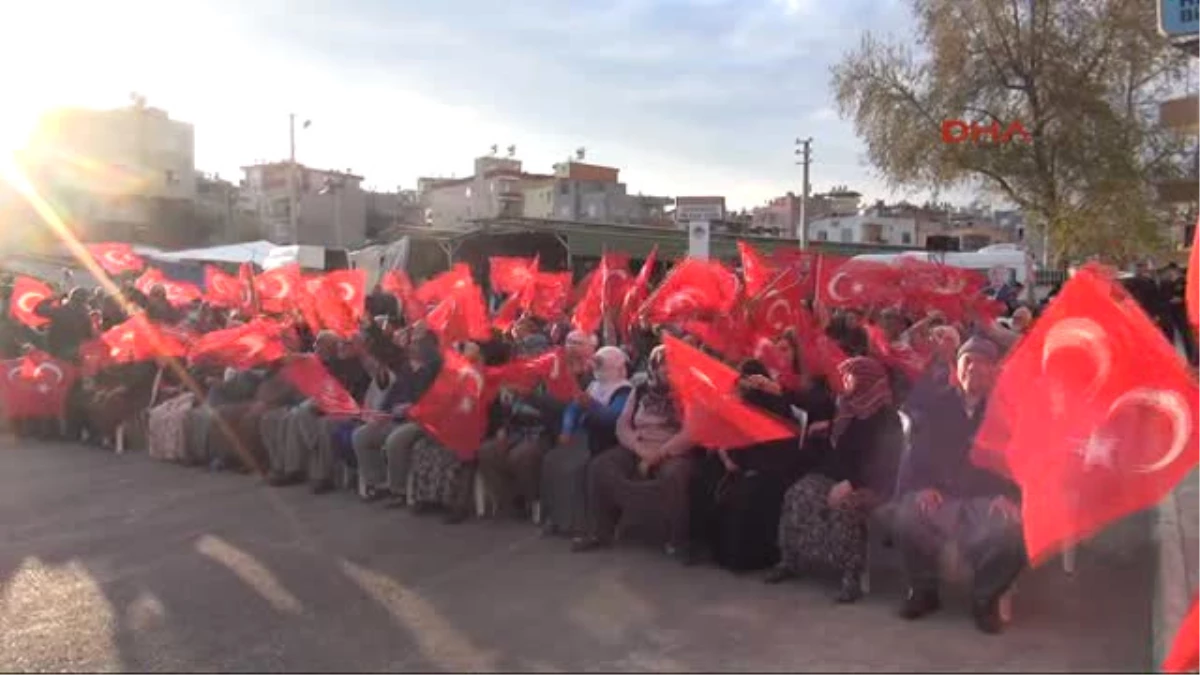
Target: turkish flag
<point>35,385</point>
<point>757,271</point>
<point>179,293</point>
<point>508,313</point>
<point>523,375</point>
<point>604,291</point>
<point>309,376</point>
<point>928,286</point>
<point>280,290</point>
<point>94,356</point>
<point>1184,656</point>
<point>243,347</point>
<point>400,285</point>
<point>137,339</point>
<point>695,289</point>
<point>857,283</point>
<point>547,294</point>
<point>819,354</point>
<point>638,291</point>
<point>460,315</point>
<point>713,413</point>
<point>116,258</point>
<point>1094,414</point>
<point>776,306</point>
<point>804,264</point>
<point>511,275</point>
<point>27,292</point>
<point>339,300</point>
<point>454,410</point>
<point>221,289</point>
<point>445,284</point>
<point>249,303</point>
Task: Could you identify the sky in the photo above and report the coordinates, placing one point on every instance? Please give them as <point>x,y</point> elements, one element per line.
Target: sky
<point>692,97</point>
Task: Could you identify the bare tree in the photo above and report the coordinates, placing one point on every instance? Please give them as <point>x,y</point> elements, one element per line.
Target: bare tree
<point>1084,77</point>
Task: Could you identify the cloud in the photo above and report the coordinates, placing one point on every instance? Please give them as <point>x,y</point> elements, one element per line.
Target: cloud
<point>703,96</point>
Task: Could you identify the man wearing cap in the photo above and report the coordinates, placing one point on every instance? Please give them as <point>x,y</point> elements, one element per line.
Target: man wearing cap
<point>944,498</point>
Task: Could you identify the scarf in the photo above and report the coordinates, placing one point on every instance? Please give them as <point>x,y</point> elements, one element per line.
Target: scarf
<point>609,371</point>
<point>871,391</point>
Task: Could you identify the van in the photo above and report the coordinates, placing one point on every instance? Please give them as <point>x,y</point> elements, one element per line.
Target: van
<point>311,258</point>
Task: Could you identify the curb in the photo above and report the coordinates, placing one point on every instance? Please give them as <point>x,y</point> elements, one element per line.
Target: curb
<point>1174,587</point>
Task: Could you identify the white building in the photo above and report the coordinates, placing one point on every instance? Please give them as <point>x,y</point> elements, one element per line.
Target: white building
<point>331,207</point>
<point>864,229</point>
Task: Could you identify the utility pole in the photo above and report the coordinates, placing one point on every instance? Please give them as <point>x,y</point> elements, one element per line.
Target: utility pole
<point>804,152</point>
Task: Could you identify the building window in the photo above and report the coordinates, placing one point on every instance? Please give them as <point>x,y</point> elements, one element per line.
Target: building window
<point>822,235</point>
<point>170,177</point>
<point>564,188</point>
<point>905,238</point>
<point>847,236</point>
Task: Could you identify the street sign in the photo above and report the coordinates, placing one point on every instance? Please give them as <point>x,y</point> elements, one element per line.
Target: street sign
<point>1179,18</point>
<point>688,209</point>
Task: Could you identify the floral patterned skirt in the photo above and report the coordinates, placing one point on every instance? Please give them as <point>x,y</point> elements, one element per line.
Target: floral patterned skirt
<point>813,534</point>
<point>165,435</point>
<point>436,473</point>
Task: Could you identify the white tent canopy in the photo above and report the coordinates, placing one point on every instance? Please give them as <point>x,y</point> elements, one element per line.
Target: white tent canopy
<point>252,252</point>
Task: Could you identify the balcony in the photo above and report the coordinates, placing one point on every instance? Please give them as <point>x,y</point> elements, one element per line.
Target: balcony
<point>1181,114</point>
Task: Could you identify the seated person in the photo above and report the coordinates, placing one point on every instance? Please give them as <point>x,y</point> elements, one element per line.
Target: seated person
<point>589,427</point>
<point>825,514</point>
<point>647,476</point>
<point>943,497</point>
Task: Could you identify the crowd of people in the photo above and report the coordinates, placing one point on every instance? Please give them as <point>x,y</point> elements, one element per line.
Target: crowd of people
<point>878,445</point>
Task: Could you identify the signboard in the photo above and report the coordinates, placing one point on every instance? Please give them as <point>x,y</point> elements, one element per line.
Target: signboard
<point>708,209</point>
<point>1179,18</point>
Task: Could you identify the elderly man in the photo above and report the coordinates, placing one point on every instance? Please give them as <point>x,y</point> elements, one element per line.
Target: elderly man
<point>383,448</point>
<point>944,498</point>
<point>291,434</point>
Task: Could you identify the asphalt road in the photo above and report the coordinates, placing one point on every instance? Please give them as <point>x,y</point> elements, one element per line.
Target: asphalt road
<point>114,563</point>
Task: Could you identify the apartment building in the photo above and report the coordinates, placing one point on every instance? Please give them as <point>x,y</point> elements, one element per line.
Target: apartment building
<point>331,206</point>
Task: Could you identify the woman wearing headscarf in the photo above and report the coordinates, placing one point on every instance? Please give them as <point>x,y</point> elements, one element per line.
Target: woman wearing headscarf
<point>645,478</point>
<point>589,427</point>
<point>825,514</point>
<point>737,493</point>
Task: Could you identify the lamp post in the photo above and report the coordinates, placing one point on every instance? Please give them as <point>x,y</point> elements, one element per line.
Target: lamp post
<point>804,151</point>
<point>293,198</point>
<point>334,186</point>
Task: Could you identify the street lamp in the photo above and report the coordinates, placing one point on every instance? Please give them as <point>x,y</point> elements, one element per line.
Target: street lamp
<point>293,217</point>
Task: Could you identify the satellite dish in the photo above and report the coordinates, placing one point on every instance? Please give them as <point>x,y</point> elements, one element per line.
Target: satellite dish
<point>512,150</point>
<point>495,149</point>
<point>580,153</point>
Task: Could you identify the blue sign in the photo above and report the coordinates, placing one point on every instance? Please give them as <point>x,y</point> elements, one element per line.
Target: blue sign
<point>1179,18</point>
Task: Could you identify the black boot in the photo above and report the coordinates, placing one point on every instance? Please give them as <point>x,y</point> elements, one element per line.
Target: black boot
<point>987,615</point>
<point>919,603</point>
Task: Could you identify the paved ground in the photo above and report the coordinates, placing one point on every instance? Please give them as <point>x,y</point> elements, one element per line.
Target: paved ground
<point>119,563</point>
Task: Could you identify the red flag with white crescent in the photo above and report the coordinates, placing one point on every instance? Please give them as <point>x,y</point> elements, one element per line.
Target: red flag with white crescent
<point>221,289</point>
<point>309,376</point>
<point>339,299</point>
<point>36,385</point>
<point>279,290</point>
<point>243,347</point>
<point>116,258</point>
<point>27,293</point>
<point>179,293</point>
<point>138,339</point>
<point>638,291</point>
<point>400,285</point>
<point>511,275</point>
<point>857,283</point>
<point>695,289</point>
<point>1094,415</point>
<point>454,410</point>
<point>249,299</point>
<point>713,413</point>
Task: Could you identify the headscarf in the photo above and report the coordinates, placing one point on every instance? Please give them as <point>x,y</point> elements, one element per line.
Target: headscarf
<point>610,374</point>
<point>981,347</point>
<point>871,392</point>
<point>656,396</point>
